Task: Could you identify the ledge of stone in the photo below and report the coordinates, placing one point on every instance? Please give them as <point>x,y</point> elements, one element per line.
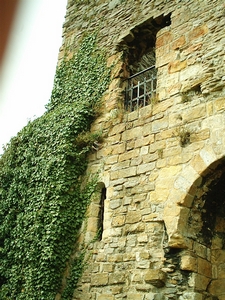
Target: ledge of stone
<point>156,278</point>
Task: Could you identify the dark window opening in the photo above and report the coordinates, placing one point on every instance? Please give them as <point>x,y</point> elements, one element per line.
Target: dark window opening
<point>139,47</point>
<point>101,212</point>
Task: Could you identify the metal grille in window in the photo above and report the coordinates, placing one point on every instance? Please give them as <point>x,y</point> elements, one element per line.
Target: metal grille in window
<point>141,89</point>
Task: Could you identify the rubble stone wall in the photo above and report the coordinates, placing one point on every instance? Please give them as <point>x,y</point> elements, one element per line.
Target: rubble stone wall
<point>155,161</point>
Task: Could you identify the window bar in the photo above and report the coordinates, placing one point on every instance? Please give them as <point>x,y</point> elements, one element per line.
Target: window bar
<point>131,94</point>
<point>152,86</point>
<point>126,97</point>
<point>144,104</point>
<point>138,93</point>
<point>141,72</point>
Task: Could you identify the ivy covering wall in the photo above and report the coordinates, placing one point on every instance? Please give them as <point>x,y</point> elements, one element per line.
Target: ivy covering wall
<point>42,203</point>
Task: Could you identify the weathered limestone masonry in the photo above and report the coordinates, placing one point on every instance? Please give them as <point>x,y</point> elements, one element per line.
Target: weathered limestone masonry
<point>162,165</point>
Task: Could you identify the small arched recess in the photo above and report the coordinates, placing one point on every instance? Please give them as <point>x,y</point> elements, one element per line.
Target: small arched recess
<point>95,214</point>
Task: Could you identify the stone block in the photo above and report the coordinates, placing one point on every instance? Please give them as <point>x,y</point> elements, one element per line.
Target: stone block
<point>92,224</point>
<point>192,48</point>
<point>160,124</point>
<point>79,295</point>
<point>198,164</point>
<point>200,135</point>
<point>204,267</point>
<point>117,278</point>
<point>107,267</point>
<point>197,32</point>
<point>99,279</point>
<point>144,287</point>
<point>173,152</point>
<point>173,89</point>
<point>151,157</point>
<point>176,66</point>
<point>112,159</point>
<point>143,264</point>
<point>118,128</point>
<point>194,113</point>
<point>161,163</point>
<point>117,149</point>
<point>221,270</point>
<point>112,59</point>
<point>115,83</point>
<point>144,168</point>
<point>136,161</point>
<point>133,217</point>
<point>130,145</point>
<point>124,173</point>
<point>116,289</point>
<point>163,39</point>
<point>134,228</point>
<point>145,112</point>
<point>188,263</point>
<point>219,104</point>
<point>132,133</point>
<point>101,257</point>
<point>157,146</point>
<point>115,258</point>
<point>143,238</point>
<point>129,154</point>
<point>200,282</point>
<point>150,217</point>
<point>114,139</point>
<point>142,190</point>
<point>155,277</point>
<point>134,296</point>
<point>131,240</point>
<point>118,221</point>
<point>104,297</point>
<point>217,287</point>
<point>200,250</point>
<point>144,150</point>
<point>117,231</point>
<point>163,106</point>
<point>132,116</point>
<point>120,165</point>
<point>191,296</point>
<point>136,276</point>
<point>178,43</point>
<point>217,242</point>
<point>154,296</point>
<point>218,256</point>
<point>115,203</point>
<point>129,256</point>
<point>163,57</point>
<point>93,208</point>
<point>208,155</point>
<point>147,129</point>
<point>146,140</point>
<point>119,70</point>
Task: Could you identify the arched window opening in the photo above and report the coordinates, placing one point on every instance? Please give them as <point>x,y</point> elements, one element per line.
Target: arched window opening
<point>101,212</point>
<point>139,46</point>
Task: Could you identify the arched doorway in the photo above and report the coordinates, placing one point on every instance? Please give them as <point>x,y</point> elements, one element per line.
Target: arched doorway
<point>206,228</point>
<point>204,231</point>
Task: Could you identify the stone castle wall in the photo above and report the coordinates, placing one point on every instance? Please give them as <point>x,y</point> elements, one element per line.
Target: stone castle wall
<point>160,164</point>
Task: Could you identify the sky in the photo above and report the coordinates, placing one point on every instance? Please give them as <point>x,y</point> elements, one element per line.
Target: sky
<point>27,74</point>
